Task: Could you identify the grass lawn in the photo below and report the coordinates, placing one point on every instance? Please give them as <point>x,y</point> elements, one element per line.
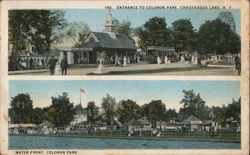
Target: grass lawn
<point>77,66</point>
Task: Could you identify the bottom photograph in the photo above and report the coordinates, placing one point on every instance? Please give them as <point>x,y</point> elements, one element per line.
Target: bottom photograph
<point>124,114</point>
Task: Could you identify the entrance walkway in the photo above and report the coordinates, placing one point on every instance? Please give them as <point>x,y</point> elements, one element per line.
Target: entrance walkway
<point>182,68</point>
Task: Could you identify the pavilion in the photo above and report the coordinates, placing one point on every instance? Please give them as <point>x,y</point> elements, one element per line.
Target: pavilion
<point>108,42</point>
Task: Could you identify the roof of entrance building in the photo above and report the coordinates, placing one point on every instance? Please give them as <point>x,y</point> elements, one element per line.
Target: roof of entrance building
<point>104,40</point>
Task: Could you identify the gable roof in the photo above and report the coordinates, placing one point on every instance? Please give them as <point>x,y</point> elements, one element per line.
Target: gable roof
<point>211,114</point>
<point>190,120</point>
<point>207,114</point>
<point>46,123</point>
<point>104,40</point>
<point>140,121</point>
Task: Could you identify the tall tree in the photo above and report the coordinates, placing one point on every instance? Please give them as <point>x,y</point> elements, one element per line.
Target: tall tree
<point>21,108</point>
<point>217,37</point>
<point>155,111</point>
<point>127,110</point>
<point>37,29</point>
<point>37,115</point>
<point>154,33</point>
<point>233,110</point>
<point>219,113</point>
<point>142,35</point>
<point>184,35</point>
<point>92,112</point>
<point>109,109</point>
<point>170,114</point>
<point>193,104</point>
<point>61,112</point>
<point>77,31</point>
<point>124,28</point>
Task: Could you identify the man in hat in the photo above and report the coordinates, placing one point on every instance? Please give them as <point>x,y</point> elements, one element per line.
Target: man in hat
<point>52,65</point>
<point>237,63</point>
<point>64,65</point>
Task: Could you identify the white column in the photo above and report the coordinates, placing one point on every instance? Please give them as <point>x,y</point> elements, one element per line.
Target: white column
<point>70,57</point>
<point>61,55</point>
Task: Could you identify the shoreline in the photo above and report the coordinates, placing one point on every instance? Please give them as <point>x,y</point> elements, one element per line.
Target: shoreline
<point>134,138</point>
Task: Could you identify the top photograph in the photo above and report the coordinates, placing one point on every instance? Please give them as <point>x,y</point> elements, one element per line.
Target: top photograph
<point>59,42</point>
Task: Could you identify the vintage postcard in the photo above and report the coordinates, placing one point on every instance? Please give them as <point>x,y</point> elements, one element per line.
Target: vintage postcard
<point>105,77</point>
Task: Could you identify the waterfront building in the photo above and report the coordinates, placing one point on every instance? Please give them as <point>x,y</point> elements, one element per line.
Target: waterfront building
<point>80,115</point>
<point>207,122</point>
<point>46,128</point>
<point>141,124</point>
<point>170,125</point>
<point>192,123</point>
<point>46,124</point>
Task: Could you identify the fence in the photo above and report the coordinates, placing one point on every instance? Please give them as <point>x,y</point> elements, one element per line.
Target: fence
<point>220,134</point>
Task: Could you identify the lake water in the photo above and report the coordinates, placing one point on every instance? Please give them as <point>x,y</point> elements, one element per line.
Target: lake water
<point>47,142</point>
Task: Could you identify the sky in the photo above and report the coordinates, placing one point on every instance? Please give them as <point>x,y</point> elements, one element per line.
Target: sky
<point>95,18</point>
<point>215,93</point>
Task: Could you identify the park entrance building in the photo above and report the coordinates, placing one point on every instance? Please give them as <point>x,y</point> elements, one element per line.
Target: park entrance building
<point>108,42</point>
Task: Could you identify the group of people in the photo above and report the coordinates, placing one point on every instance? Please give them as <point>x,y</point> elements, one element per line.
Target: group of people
<point>30,63</point>
<point>57,67</point>
<point>35,63</point>
<point>166,60</point>
<point>182,57</point>
<point>122,61</point>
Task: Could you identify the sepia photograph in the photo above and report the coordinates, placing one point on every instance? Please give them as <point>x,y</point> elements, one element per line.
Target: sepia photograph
<point>124,114</point>
<point>124,42</point>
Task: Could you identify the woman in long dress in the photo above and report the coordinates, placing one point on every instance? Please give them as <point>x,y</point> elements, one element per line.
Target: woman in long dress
<point>158,60</point>
<point>166,59</point>
<point>124,61</point>
<point>58,68</point>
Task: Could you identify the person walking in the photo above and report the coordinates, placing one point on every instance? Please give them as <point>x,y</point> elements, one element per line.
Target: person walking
<point>125,61</point>
<point>64,66</point>
<point>237,64</point>
<point>58,68</point>
<point>43,62</point>
<point>198,59</point>
<point>116,60</point>
<point>52,65</point>
<point>166,59</point>
<point>158,60</point>
<point>31,63</point>
<point>119,61</point>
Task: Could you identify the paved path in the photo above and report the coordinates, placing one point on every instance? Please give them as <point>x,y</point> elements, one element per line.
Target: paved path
<point>133,67</point>
<point>216,72</point>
